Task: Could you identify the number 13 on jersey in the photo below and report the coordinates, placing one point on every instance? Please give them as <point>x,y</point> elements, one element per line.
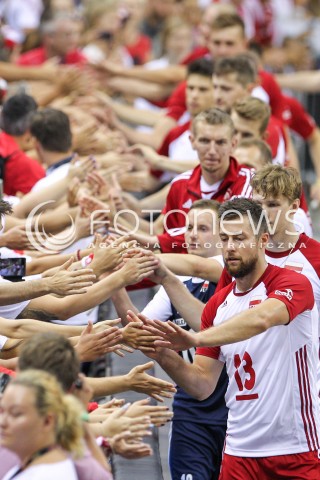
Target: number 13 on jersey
<point>245,364</point>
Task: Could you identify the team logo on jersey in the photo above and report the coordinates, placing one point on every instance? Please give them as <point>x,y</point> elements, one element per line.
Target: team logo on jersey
<point>255,301</point>
<point>297,267</point>
<point>287,293</point>
<point>187,204</point>
<point>204,287</point>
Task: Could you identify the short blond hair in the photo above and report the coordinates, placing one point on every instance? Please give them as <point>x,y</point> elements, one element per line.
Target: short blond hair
<point>275,180</point>
<point>213,116</point>
<point>252,108</point>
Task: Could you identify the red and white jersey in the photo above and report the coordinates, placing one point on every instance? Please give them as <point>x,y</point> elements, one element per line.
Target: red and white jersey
<point>272,395</point>
<point>186,189</point>
<point>304,259</point>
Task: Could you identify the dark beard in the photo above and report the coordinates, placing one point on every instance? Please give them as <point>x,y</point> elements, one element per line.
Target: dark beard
<point>243,269</point>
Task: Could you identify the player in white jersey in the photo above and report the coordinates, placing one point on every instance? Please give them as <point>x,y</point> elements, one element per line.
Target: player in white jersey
<point>278,190</point>
<point>265,328</point>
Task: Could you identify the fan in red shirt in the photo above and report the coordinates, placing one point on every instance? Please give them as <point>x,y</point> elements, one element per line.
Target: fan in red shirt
<point>60,38</point>
<point>18,171</point>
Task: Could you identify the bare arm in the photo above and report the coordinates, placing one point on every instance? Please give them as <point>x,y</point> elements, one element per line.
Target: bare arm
<point>13,73</point>
<point>188,306</point>
<point>51,193</point>
<point>122,303</point>
<point>270,313</point>
<point>133,271</point>
<point>193,265</point>
<point>136,115</point>
<point>141,88</point>
<point>170,74</point>
<point>156,201</point>
<point>63,282</point>
<point>137,380</point>
<point>308,81</point>
<point>21,329</point>
<point>40,265</point>
<point>153,139</point>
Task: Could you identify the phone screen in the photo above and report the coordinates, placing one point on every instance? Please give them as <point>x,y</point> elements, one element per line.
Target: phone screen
<point>13,268</point>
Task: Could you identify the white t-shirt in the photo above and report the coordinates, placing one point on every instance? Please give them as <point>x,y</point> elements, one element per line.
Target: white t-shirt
<point>304,259</point>
<point>272,395</point>
<point>64,470</point>
<point>57,174</point>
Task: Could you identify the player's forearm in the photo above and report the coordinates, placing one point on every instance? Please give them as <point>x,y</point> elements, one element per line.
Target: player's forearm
<point>187,305</point>
<point>176,166</point>
<point>192,265</point>
<point>243,326</point>
<point>186,375</point>
<point>300,81</point>
<point>122,304</point>
<point>141,88</point>
<point>171,74</point>
<point>136,116</point>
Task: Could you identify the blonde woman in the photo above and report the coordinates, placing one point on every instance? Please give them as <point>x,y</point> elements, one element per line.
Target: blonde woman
<point>42,426</point>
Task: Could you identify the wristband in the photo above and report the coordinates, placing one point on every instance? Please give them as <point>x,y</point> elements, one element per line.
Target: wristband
<point>105,445</point>
<point>87,260</point>
<point>85,417</point>
<point>78,255</point>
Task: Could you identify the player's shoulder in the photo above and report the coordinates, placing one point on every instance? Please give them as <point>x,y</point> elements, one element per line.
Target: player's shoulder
<point>275,276</point>
<point>309,247</point>
<point>182,178</point>
<point>219,297</point>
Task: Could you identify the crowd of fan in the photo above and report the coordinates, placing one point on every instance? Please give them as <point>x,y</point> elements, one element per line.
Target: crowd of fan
<point>123,123</point>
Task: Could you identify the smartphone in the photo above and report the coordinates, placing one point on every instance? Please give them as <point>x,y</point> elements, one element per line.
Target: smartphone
<point>13,269</point>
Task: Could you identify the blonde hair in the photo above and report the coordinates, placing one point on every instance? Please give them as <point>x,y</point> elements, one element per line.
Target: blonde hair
<point>252,108</point>
<point>275,180</point>
<point>50,398</point>
<point>213,116</point>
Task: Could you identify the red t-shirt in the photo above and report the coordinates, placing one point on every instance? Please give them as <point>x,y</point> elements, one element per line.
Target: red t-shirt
<point>20,171</point>
<point>38,56</point>
<point>140,51</point>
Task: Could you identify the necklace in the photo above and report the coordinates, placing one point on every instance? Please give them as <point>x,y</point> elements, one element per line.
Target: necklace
<point>37,454</point>
<point>286,258</point>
